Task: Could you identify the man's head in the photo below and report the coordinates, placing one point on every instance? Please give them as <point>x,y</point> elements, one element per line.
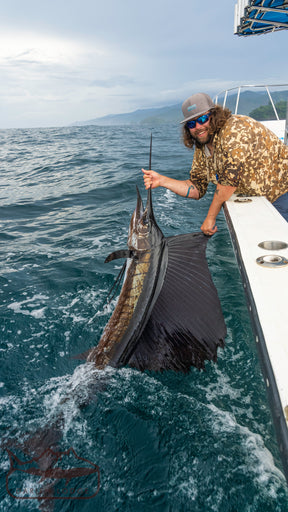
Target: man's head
<point>196,105</point>
<point>202,119</point>
<point>197,110</point>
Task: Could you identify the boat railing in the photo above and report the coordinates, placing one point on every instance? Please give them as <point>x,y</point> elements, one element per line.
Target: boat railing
<point>286,127</point>
<point>237,90</point>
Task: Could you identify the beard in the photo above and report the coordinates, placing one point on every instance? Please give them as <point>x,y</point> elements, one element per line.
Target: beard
<point>201,141</point>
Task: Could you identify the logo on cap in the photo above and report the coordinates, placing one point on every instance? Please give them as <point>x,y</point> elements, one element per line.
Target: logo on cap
<point>192,107</point>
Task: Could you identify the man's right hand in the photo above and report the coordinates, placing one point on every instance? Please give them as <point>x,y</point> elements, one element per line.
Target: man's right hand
<point>151,179</point>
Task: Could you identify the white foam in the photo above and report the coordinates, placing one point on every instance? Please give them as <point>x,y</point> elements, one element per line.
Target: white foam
<point>35,301</point>
<point>259,460</point>
<point>78,319</point>
<point>66,393</point>
<point>107,309</point>
<point>170,197</point>
<point>222,387</point>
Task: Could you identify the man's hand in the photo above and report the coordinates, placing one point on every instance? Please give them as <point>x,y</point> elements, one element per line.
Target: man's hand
<point>181,187</point>
<point>151,179</point>
<point>209,226</point>
<point>222,194</point>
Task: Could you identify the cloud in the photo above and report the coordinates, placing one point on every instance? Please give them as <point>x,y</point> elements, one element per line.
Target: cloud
<point>113,81</point>
<point>109,57</point>
<point>41,69</point>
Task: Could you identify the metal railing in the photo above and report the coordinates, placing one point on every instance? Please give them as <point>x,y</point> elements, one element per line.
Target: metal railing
<point>286,128</point>
<point>240,88</point>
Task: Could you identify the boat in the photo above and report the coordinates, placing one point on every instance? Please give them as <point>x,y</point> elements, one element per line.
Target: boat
<point>260,239</point>
<point>276,125</point>
<point>259,236</point>
<point>254,17</point>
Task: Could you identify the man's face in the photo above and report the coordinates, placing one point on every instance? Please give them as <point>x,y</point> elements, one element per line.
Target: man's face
<point>200,132</point>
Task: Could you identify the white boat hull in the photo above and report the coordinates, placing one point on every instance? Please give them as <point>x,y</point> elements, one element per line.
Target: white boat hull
<point>250,222</point>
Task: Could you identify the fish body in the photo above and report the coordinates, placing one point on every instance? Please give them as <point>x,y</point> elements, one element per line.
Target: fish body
<point>168,315</point>
<point>144,255</point>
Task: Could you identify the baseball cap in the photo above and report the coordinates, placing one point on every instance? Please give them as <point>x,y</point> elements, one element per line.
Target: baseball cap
<point>196,105</point>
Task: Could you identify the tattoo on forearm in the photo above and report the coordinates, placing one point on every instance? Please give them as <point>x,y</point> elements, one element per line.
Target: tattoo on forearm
<point>189,188</point>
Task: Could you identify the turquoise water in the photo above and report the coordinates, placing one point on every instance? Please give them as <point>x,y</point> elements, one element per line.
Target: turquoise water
<point>201,442</point>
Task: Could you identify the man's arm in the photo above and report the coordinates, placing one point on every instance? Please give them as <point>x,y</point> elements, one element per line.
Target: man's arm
<point>222,194</point>
<point>183,188</point>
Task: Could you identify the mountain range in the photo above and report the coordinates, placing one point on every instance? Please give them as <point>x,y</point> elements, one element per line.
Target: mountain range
<point>249,100</point>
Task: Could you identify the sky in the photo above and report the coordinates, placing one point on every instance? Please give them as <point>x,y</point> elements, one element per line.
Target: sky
<point>73,60</point>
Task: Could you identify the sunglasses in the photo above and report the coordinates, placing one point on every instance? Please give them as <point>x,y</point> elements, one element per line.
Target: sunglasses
<point>200,120</point>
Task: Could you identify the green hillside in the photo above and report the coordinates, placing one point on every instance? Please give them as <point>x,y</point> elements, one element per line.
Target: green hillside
<point>266,112</point>
<point>250,101</point>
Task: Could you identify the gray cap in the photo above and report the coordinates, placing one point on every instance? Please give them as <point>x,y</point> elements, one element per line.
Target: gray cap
<point>196,105</point>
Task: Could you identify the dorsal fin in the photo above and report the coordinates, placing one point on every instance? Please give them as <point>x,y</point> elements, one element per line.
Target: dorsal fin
<point>186,325</point>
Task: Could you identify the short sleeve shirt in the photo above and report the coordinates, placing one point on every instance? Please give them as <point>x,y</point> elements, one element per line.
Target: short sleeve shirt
<point>246,155</point>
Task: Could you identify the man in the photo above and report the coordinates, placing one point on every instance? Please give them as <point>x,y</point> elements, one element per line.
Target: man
<point>236,153</point>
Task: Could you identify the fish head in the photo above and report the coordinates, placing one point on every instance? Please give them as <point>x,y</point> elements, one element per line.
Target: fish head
<point>144,233</point>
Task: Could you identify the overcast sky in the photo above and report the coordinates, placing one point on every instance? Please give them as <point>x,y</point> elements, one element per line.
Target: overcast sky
<point>71,60</point>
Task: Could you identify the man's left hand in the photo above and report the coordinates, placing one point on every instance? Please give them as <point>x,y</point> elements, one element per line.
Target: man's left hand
<point>209,227</point>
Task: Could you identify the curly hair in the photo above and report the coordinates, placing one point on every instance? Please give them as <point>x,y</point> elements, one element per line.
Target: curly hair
<point>218,118</point>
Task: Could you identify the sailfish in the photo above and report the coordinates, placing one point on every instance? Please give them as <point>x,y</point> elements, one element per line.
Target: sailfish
<point>168,315</point>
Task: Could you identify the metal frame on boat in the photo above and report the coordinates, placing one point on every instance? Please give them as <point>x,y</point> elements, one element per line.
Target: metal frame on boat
<point>254,17</point>
<point>260,239</point>
<point>277,125</point>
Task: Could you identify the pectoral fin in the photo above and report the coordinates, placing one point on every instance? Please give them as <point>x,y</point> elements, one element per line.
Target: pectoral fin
<point>122,253</point>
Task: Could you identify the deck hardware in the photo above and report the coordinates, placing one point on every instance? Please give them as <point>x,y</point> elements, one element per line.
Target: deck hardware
<point>242,200</point>
<point>273,245</point>
<point>272,261</point>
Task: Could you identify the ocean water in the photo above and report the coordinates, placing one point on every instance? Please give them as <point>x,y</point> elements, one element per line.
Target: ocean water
<point>202,442</point>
